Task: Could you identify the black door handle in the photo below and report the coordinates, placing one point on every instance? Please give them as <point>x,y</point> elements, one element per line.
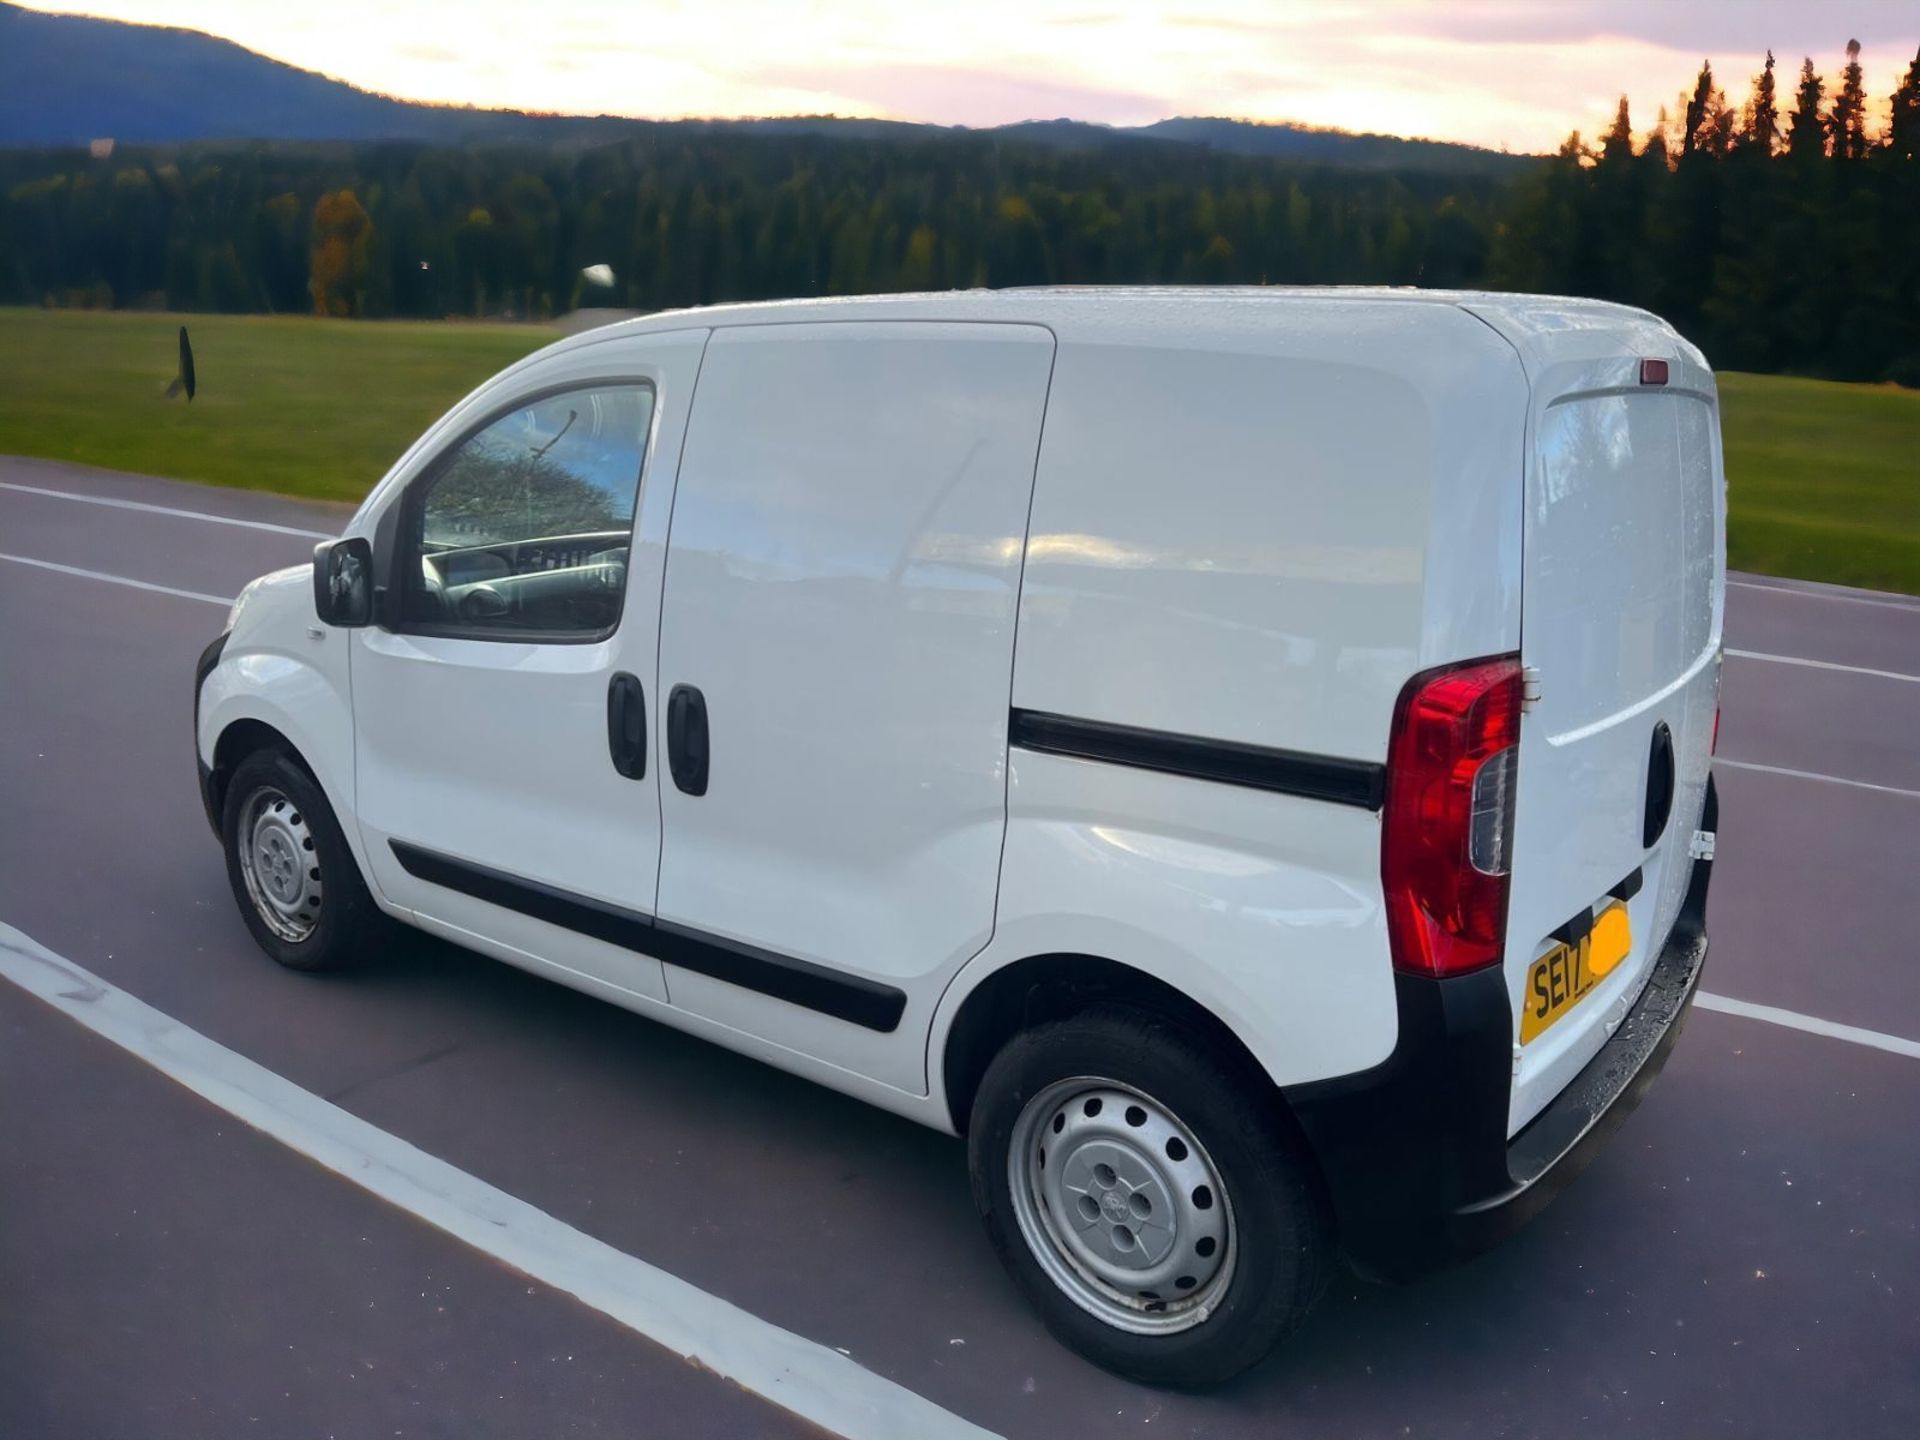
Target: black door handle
<point>627,725</point>
<point>687,739</point>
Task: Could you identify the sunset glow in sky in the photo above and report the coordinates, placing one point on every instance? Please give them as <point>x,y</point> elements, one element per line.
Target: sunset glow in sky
<point>1513,73</point>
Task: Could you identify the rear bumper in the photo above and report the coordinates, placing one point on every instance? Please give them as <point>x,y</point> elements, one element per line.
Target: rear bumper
<point>1415,1153</point>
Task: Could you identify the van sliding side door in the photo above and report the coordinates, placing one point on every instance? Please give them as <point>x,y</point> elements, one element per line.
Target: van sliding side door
<point>835,660</point>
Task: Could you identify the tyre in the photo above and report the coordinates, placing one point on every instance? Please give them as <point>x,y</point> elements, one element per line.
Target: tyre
<point>1152,1202</point>
<point>297,884</point>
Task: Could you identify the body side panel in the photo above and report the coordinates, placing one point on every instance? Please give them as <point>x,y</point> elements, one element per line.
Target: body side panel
<point>1253,531</point>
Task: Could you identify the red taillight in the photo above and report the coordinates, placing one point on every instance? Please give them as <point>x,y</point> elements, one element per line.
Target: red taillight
<point>1653,372</point>
<point>1447,841</point>
<point>1714,748</point>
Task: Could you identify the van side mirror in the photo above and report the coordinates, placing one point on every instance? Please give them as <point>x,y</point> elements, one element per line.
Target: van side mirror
<point>343,581</point>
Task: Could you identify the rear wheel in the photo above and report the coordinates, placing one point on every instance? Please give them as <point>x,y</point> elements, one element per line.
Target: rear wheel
<point>296,882</point>
<point>1152,1204</point>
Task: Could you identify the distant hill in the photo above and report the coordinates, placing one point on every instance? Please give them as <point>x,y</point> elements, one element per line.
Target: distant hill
<point>1336,147</point>
<point>69,79</point>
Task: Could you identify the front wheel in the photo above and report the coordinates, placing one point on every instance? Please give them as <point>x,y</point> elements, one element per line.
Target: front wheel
<point>1149,1200</point>
<point>296,882</point>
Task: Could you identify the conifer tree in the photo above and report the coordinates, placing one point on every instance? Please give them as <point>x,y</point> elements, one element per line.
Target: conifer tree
<point>1697,108</point>
<point>1719,125</point>
<point>1807,134</point>
<point>1903,128</point>
<point>1761,131</point>
<point>1617,143</point>
<point>1654,153</point>
<point>1848,121</point>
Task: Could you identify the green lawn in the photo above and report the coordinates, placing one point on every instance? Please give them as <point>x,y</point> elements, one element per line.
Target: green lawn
<point>1824,478</point>
<point>316,408</point>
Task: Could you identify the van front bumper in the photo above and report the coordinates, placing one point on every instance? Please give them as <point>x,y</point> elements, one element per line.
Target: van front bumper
<point>1415,1152</point>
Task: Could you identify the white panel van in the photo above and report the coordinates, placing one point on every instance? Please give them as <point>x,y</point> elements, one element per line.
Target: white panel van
<point>1238,757</point>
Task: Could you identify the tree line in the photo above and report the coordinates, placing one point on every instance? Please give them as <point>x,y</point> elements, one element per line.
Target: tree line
<point>1781,234</point>
<point>1778,233</point>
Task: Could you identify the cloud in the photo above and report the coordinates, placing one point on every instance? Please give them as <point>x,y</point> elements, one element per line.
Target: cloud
<point>1520,73</point>
<point>1234,25</point>
<point>428,54</point>
<point>958,95</point>
<point>1795,26</point>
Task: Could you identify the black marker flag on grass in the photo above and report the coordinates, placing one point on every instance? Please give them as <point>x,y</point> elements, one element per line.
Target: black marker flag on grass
<point>184,380</point>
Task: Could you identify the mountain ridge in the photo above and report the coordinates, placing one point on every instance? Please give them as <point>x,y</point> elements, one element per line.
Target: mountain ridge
<point>66,80</point>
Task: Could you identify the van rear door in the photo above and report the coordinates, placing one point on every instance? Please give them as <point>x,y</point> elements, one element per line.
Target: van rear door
<point>1623,554</point>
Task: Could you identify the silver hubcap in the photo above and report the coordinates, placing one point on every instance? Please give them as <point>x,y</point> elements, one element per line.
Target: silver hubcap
<point>279,863</point>
<point>1121,1205</point>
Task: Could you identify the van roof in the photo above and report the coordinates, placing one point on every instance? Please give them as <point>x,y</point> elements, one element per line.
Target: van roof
<point>1548,333</point>
<point>1043,304</point>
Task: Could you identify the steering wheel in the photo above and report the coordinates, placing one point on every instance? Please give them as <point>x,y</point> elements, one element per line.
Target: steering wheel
<point>482,603</point>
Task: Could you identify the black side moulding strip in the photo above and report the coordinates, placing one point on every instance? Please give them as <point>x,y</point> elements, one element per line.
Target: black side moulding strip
<point>1332,778</point>
<point>853,998</point>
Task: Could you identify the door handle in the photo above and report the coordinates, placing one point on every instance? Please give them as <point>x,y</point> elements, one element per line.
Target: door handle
<point>687,739</point>
<point>627,725</point>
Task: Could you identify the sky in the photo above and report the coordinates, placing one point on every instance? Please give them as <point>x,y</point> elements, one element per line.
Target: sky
<point>1514,74</point>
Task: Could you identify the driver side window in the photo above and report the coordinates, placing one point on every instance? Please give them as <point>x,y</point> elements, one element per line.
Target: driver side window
<point>521,531</point>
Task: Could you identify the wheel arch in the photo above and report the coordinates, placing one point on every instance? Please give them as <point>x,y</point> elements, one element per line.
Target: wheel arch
<point>1047,987</point>
<point>248,736</point>
<point>246,729</point>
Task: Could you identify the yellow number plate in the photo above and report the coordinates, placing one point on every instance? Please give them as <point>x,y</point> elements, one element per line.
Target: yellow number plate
<point>1566,974</point>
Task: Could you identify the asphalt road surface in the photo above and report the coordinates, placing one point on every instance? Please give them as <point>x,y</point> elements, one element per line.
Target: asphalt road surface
<point>1744,1259</point>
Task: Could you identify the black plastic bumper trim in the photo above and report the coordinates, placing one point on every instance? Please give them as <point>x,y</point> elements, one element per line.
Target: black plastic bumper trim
<point>1415,1152</point>
<point>202,668</point>
<point>1331,778</point>
<point>852,998</point>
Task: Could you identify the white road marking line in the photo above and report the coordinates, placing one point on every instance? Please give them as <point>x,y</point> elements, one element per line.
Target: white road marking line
<point>812,1381</point>
<point>1813,775</point>
<point>1889,604</point>
<point>168,510</point>
<point>1812,1024</point>
<point>1823,665</point>
<point>221,600</point>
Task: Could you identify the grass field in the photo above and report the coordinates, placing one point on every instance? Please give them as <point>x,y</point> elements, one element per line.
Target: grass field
<point>1824,478</point>
<point>317,408</point>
